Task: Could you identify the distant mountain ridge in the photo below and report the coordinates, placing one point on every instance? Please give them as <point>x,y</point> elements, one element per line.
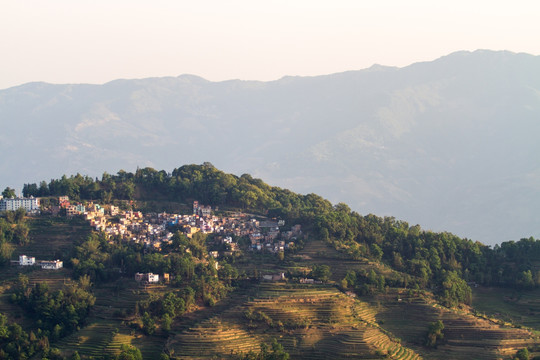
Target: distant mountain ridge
<point>450,144</point>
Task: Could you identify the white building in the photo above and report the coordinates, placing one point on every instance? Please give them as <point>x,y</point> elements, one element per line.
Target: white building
<point>30,204</point>
<point>26,260</point>
<point>51,265</point>
<point>147,277</point>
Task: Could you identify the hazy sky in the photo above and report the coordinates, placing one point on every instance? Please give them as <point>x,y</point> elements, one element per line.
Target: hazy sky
<point>74,41</point>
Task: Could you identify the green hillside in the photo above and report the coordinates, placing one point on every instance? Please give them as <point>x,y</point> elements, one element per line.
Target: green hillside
<point>349,286</point>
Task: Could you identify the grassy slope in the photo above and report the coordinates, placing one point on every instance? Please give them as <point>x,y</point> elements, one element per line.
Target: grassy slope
<point>509,305</point>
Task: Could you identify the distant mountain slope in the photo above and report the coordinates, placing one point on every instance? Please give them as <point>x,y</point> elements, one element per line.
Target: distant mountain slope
<point>450,144</point>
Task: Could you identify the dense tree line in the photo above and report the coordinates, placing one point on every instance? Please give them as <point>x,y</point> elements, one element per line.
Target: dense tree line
<point>57,313</point>
<point>436,260</point>
<point>15,343</point>
<point>201,182</point>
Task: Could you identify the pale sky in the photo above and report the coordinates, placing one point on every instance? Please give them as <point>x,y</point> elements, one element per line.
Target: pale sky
<point>75,41</point>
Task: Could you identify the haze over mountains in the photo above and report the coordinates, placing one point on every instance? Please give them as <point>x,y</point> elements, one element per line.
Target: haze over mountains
<point>449,144</point>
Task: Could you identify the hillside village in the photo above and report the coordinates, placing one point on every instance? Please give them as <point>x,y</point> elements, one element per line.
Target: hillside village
<point>153,230</point>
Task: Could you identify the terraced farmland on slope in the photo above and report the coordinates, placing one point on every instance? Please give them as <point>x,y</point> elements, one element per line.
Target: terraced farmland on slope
<point>465,336</point>
<point>213,337</point>
<point>517,306</point>
<point>311,322</point>
<point>52,238</point>
<point>318,252</point>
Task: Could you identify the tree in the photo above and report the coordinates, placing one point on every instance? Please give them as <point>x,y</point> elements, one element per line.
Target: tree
<point>523,354</point>
<point>321,272</point>
<point>6,249</point>
<point>435,333</point>
<point>20,234</point>
<point>19,215</point>
<point>149,325</point>
<point>455,290</point>
<point>9,193</point>
<point>166,323</point>
<point>525,280</point>
<point>129,352</point>
<point>278,353</point>
<point>376,252</point>
<point>30,190</point>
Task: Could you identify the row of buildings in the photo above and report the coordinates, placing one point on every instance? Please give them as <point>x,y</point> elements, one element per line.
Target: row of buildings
<point>45,264</point>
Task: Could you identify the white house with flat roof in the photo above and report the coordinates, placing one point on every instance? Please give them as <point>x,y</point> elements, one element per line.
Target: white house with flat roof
<point>26,260</point>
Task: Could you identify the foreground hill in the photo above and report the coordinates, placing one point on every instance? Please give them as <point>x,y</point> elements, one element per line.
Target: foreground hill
<point>313,279</point>
<point>449,144</point>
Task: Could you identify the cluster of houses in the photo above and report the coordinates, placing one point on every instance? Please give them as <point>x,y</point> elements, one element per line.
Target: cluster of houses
<point>78,209</point>
<point>268,236</point>
<point>44,264</point>
<point>153,229</point>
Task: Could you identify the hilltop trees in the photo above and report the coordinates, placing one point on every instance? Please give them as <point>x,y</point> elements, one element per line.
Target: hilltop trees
<point>8,193</point>
<point>202,182</point>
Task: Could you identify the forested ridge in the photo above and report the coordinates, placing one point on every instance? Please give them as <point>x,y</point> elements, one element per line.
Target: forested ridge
<point>432,258</point>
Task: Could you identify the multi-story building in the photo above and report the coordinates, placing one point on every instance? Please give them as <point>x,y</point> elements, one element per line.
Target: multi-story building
<point>30,204</point>
<point>73,210</point>
<point>201,210</point>
<point>63,201</point>
<point>26,260</point>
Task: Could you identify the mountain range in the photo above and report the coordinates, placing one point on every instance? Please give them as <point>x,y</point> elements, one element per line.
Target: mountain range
<point>449,144</point>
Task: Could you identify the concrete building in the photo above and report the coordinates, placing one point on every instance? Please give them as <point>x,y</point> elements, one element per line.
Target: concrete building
<point>26,260</point>
<point>148,277</point>
<point>52,265</point>
<point>30,204</point>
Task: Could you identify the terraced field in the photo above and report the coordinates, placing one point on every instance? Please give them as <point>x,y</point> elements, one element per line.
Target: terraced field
<point>52,238</point>
<point>214,337</point>
<point>103,337</point>
<point>107,331</point>
<point>90,340</point>
<point>519,307</point>
<point>311,322</point>
<point>465,336</point>
<point>318,252</point>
